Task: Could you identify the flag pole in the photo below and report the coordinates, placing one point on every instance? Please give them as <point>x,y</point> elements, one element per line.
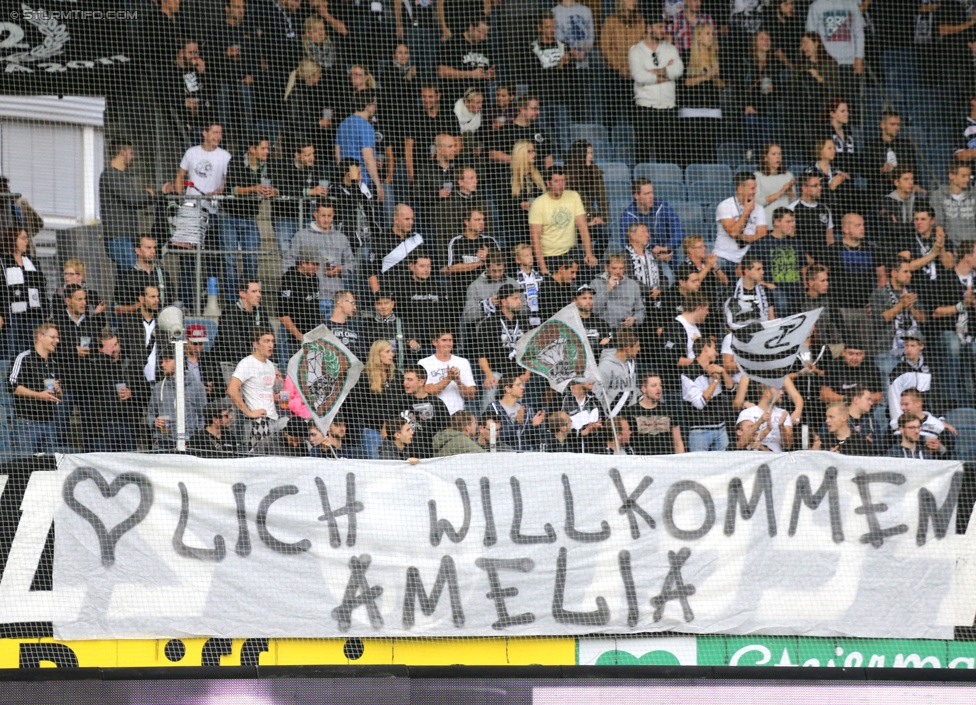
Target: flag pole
<point>613,427</point>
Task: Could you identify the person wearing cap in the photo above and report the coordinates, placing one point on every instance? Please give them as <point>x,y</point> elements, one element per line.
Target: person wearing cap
<point>385,324</point>
<point>161,412</point>
<point>200,364</point>
<point>337,263</point>
<point>495,339</point>
<point>896,314</point>
<point>912,372</point>
<point>598,331</point>
<point>655,66</point>
<point>298,308</point>
<point>217,438</point>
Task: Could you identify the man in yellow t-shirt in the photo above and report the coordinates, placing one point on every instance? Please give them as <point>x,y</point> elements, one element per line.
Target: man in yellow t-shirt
<point>554,219</point>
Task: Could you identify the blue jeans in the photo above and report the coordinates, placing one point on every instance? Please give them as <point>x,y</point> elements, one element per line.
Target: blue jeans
<point>35,437</point>
<point>238,234</point>
<point>957,368</point>
<point>285,229</point>
<point>122,251</point>
<point>885,362</point>
<point>235,105</point>
<point>704,439</point>
<point>488,396</point>
<point>371,443</point>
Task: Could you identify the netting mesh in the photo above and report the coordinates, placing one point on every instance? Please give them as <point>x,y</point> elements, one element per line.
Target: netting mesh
<point>380,230</point>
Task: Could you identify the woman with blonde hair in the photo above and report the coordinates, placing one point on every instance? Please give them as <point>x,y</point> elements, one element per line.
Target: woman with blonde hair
<point>374,398</point>
<point>317,44</point>
<point>700,97</point>
<point>527,185</point>
<point>311,111</point>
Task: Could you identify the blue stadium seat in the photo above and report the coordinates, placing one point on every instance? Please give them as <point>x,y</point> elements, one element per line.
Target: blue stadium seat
<point>710,193</point>
<point>670,191</point>
<point>658,172</point>
<point>939,156</point>
<point>622,139</point>
<point>716,173</point>
<point>797,170</point>
<point>211,327</point>
<point>964,421</point>
<point>618,191</point>
<point>596,135</point>
<point>690,215</point>
<point>7,449</point>
<point>617,207</point>
<point>615,171</point>
<point>732,154</point>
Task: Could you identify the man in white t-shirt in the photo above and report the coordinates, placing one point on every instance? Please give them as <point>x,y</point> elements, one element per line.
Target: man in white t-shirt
<point>775,425</point>
<point>449,377</point>
<point>252,385</point>
<point>741,221</point>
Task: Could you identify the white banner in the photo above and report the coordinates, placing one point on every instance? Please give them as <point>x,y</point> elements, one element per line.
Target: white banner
<point>812,544</point>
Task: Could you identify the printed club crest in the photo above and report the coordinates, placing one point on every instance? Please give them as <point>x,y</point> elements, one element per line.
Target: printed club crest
<point>555,351</point>
<point>322,373</point>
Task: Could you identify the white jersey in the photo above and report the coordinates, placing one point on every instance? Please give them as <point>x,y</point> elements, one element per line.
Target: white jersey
<point>207,171</point>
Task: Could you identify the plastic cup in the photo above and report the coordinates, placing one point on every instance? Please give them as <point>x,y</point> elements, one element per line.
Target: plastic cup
<point>167,422</point>
<point>49,385</point>
<point>85,342</point>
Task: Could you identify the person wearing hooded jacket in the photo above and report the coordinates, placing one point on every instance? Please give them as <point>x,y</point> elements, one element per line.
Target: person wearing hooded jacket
<point>617,387</point>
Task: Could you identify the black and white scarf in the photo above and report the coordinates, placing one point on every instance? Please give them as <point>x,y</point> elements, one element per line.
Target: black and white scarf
<point>752,305</point>
<point>904,321</point>
<point>645,268</point>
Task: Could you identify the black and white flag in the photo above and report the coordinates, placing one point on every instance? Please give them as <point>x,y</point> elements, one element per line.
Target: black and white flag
<point>766,350</point>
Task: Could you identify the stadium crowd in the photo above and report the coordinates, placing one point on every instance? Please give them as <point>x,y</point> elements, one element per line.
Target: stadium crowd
<point>495,228</point>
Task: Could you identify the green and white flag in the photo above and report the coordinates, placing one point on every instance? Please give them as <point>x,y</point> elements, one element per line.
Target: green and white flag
<point>559,350</point>
<point>324,372</point>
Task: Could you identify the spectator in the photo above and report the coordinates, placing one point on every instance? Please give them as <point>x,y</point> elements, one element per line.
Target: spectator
<point>654,423</point>
<point>520,424</point>
<point>850,372</point>
<point>419,35</point>
<point>298,310</point>
<point>312,113</point>
<point>642,268</point>
<point>239,323</point>
<point>617,387</point>
<point>749,435</point>
<point>953,300</point>
<point>859,402</point>
<point>376,396</point>
<point>36,387</point>
<point>856,269</point>
<point>247,177</point>
<point>740,223</point>
<point>911,446</point>
<point>814,219</point>
<point>435,181</point>
<point>911,372</point>
<point>560,437</point>
<point>655,66</point>
<point>618,438</point>
<point>586,178</point>
<point>526,186</point>
<point>678,338</point>
<point>673,300</point>
<point>281,36</point>
<point>896,315</point>
<point>459,438</point>
<point>161,412</point>
<point>712,279</point>
<point>551,74</point>
<point>774,424</point>
<point>200,364</point>
<point>503,111</point>
<point>74,273</point>
<point>841,27</point>
<point>421,132</point>
<point>77,333</point>
<point>448,376</point>
<point>760,95</point>
<point>340,324</point>
<point>955,205</point>
<point>462,198</point>
<point>291,442</point>
<point>337,264</point>
<point>22,300</point>
<point>120,200</point>
<point>386,325</point>
<point>332,445</point>
<point>489,427</point>
<point>252,385</point>
<point>467,111</point>
<point>560,290</point>
<point>235,48</point>
<point>937,434</point>
<point>427,414</point>
<point>496,337</point>
<point>816,80</point>
<point>618,298</point>
<point>523,128</point>
<point>466,60</point>
<point>137,334</point>
<point>146,272</point>
<point>530,282</point>
<point>106,408</point>
<point>423,299</point>
<point>621,30</point>
<point>297,178</point>
<point>968,152</point>
<point>354,207</point>
<point>839,184</point>
<point>751,298</point>
<point>554,219</point>
<point>926,251</point>
<point>319,46</point>
<point>701,384</point>
<point>782,255</point>
<point>188,92</point>
<point>583,410</point>
<point>839,438</point>
<point>682,25</point>
<point>700,97</point>
<point>598,331</point>
<point>785,27</point>
<point>896,211</point>
<point>885,152</point>
<point>399,436</point>
<point>828,329</point>
<point>216,439</point>
<point>575,29</point>
<point>387,266</point>
<point>775,188</point>
<point>356,139</point>
<point>482,298</point>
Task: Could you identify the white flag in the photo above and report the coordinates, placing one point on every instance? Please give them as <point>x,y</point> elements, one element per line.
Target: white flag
<point>324,372</point>
<point>766,350</point>
<point>559,350</point>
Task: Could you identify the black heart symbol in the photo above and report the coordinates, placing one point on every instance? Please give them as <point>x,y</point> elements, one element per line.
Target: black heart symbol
<point>108,539</point>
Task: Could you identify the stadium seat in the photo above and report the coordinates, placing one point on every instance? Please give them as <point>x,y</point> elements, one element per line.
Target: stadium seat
<point>658,172</point>
<point>670,191</point>
<point>622,139</point>
<point>714,173</point>
<point>618,191</point>
<point>7,449</point>
<point>964,421</point>
<point>211,327</point>
<point>710,193</point>
<point>690,215</point>
<point>596,135</point>
<point>797,169</point>
<point>617,208</point>
<point>615,171</point>
<point>732,154</point>
<point>938,157</point>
